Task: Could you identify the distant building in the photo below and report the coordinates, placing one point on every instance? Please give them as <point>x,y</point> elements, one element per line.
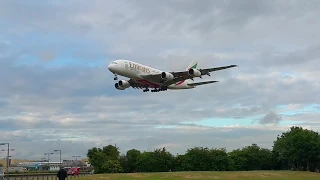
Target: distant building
<point>72,163</point>
<point>41,166</point>
<point>27,165</point>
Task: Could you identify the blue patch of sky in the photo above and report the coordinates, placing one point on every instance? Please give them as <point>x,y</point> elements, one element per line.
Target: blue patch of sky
<point>165,126</point>
<point>312,108</point>
<point>249,121</point>
<point>288,74</point>
<point>59,62</point>
<point>220,122</point>
<point>284,122</point>
<point>111,91</point>
<point>253,120</point>
<point>63,62</point>
<point>3,104</point>
<point>281,106</point>
<point>66,48</point>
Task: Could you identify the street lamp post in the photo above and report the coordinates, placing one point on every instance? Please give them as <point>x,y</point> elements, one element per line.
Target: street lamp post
<point>76,158</point>
<point>60,156</point>
<point>48,158</point>
<point>7,156</point>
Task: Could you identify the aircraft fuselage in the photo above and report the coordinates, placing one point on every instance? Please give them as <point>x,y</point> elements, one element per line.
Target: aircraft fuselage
<point>134,71</point>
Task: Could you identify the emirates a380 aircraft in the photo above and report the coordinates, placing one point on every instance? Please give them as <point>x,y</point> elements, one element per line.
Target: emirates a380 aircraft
<point>144,77</point>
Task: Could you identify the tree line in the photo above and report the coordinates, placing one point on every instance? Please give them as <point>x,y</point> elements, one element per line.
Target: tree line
<point>295,149</point>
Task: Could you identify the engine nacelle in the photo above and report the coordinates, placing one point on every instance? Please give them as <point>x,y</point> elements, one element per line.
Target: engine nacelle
<point>119,87</point>
<point>124,84</point>
<point>194,72</point>
<point>167,76</point>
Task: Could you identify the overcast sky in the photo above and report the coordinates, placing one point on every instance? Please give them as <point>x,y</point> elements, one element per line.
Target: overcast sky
<point>57,93</point>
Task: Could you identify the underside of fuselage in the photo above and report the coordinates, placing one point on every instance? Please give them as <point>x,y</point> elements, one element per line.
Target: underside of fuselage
<point>147,84</point>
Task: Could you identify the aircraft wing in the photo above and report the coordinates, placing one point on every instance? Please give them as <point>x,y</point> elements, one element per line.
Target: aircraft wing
<point>203,71</point>
<point>201,83</point>
<point>182,75</point>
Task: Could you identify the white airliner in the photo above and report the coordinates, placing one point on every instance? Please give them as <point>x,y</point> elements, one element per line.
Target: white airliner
<point>144,77</point>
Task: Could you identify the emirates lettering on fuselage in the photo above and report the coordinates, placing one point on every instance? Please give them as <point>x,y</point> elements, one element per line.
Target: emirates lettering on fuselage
<point>139,68</point>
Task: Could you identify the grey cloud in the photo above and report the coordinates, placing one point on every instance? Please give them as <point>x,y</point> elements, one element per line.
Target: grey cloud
<point>47,56</point>
<point>309,117</point>
<point>271,118</point>
<point>29,17</point>
<point>249,37</point>
<point>36,123</point>
<point>302,59</point>
<point>50,81</point>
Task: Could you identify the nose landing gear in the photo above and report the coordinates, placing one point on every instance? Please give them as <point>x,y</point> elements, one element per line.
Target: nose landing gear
<point>115,77</point>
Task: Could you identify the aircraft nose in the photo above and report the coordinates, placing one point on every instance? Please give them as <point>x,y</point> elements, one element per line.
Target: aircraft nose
<point>112,67</point>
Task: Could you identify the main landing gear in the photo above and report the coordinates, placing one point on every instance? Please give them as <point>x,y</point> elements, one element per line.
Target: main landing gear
<point>163,88</point>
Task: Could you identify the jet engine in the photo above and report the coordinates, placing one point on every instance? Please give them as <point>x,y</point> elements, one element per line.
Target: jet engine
<point>119,87</point>
<point>167,76</point>
<point>194,72</point>
<point>124,84</point>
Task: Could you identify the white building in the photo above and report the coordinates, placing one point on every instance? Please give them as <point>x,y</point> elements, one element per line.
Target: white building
<point>53,166</point>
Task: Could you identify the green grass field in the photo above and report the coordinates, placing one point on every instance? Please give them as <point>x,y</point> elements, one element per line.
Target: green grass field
<point>246,175</point>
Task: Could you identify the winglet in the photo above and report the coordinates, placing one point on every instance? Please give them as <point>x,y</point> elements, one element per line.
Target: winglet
<point>193,65</point>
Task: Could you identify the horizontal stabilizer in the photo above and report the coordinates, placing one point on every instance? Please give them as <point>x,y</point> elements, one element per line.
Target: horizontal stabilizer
<point>202,83</point>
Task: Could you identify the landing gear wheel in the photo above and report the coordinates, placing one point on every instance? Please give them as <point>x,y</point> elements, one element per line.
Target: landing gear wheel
<point>163,88</point>
<point>115,77</point>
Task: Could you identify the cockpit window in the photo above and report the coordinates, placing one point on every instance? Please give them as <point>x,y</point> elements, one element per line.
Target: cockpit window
<point>114,63</point>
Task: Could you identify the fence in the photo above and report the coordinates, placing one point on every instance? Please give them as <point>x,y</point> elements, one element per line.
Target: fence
<point>37,177</point>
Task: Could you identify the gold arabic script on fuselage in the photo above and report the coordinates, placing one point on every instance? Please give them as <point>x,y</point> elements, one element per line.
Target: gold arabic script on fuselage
<point>139,68</point>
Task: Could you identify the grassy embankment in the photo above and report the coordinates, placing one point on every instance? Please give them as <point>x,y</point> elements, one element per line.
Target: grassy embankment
<point>245,175</point>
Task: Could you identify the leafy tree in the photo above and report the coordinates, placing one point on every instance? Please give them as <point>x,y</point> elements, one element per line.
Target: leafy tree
<point>164,160</point>
<point>111,166</point>
<point>265,156</point>
<point>297,149</point>
<point>105,160</point>
<point>146,162</point>
<point>219,160</point>
<point>112,152</point>
<point>240,160</point>
<point>132,159</point>
<point>181,163</point>
<point>157,161</point>
<point>251,158</point>
<point>124,163</point>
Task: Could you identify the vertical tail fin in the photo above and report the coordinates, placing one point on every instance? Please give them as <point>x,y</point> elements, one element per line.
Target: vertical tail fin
<point>193,64</point>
